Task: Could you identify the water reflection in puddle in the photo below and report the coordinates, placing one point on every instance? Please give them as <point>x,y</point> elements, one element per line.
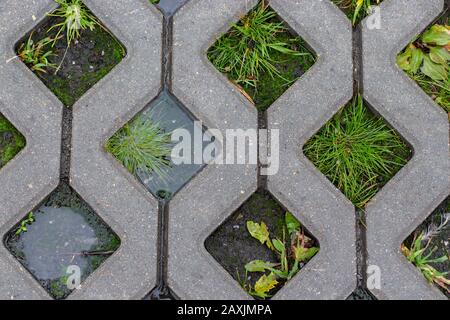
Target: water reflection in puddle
<point>170,115</point>
<point>64,236</point>
<point>169,7</point>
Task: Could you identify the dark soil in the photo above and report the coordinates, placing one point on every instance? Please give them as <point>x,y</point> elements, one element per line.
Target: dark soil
<point>86,61</point>
<point>106,241</point>
<point>232,245</point>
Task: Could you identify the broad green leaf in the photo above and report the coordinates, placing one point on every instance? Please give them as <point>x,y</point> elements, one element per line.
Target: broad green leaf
<point>437,34</point>
<point>279,246</point>
<point>439,55</point>
<point>292,223</point>
<point>416,59</point>
<point>259,266</point>
<point>403,60</point>
<point>433,70</point>
<point>265,284</point>
<point>258,231</point>
<point>304,254</point>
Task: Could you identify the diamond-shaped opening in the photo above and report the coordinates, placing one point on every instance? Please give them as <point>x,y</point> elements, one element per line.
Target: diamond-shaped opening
<point>262,56</point>
<point>11,141</point>
<point>70,71</point>
<point>168,7</point>
<point>61,242</point>
<point>361,293</point>
<point>426,60</point>
<point>432,236</point>
<point>233,246</point>
<point>161,292</point>
<point>145,148</point>
<point>355,12</point>
<point>358,151</point>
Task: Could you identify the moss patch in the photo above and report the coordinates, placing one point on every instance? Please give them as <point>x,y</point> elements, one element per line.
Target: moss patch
<point>11,141</point>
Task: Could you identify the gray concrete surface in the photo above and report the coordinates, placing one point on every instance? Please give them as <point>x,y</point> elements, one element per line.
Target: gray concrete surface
<point>410,197</point>
<point>299,114</point>
<point>218,190</point>
<point>120,200</point>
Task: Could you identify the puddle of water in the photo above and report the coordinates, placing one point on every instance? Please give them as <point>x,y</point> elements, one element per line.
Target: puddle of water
<point>169,113</point>
<point>60,239</point>
<point>55,240</point>
<point>169,7</point>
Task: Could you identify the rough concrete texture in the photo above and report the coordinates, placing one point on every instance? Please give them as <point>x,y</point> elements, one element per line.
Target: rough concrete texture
<point>34,111</point>
<point>425,181</point>
<point>298,115</point>
<point>216,191</point>
<point>115,195</point>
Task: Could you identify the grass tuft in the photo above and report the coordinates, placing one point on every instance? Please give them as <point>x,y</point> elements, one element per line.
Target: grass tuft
<point>358,152</point>
<point>259,52</point>
<point>141,145</point>
<point>75,18</point>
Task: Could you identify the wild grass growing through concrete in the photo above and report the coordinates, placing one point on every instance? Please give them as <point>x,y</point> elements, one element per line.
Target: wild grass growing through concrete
<point>36,54</point>
<point>356,9</point>
<point>75,17</point>
<point>420,255</point>
<point>142,145</point>
<point>257,46</point>
<point>358,152</point>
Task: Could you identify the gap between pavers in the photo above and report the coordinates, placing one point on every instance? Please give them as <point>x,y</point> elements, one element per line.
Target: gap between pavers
<point>407,200</point>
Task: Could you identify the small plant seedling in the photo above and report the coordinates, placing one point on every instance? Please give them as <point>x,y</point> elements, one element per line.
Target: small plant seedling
<point>427,61</point>
<point>356,9</point>
<point>35,54</point>
<point>75,17</point>
<point>141,145</point>
<point>419,256</point>
<point>292,252</point>
<point>24,223</point>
